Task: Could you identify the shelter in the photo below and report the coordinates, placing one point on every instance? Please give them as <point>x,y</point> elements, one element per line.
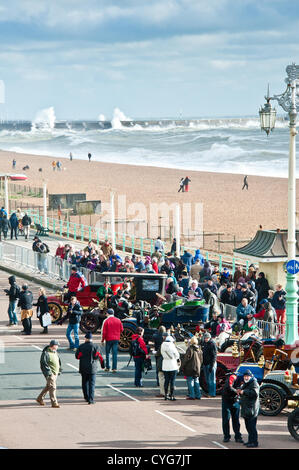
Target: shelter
<point>269,248</point>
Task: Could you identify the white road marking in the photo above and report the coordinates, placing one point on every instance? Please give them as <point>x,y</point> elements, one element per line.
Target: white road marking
<point>36,347</point>
<point>19,337</point>
<point>175,421</point>
<point>71,365</point>
<point>120,391</point>
<point>220,445</point>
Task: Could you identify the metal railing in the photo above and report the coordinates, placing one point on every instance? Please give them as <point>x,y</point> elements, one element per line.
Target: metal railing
<point>124,242</point>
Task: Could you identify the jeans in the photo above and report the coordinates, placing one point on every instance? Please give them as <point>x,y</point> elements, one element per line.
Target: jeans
<point>88,386</point>
<point>75,329</point>
<point>13,232</point>
<point>210,379</point>
<point>114,346</point>
<point>12,311</point>
<point>42,263</point>
<point>170,376</point>
<point>230,410</point>
<point>138,370</point>
<point>193,387</point>
<point>250,424</point>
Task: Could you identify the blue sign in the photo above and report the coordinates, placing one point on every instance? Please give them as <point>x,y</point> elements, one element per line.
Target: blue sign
<point>293,266</point>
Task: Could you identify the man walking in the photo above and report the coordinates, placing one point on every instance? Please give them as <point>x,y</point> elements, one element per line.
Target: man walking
<point>231,408</point>
<point>209,353</point>
<point>88,354</point>
<point>13,294</point>
<point>26,222</point>
<point>74,313</point>
<point>51,367</point>
<point>245,183</point>
<point>249,398</point>
<point>111,331</point>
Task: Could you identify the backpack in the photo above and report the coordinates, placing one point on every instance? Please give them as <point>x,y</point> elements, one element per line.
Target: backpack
<point>135,348</point>
<point>47,248</point>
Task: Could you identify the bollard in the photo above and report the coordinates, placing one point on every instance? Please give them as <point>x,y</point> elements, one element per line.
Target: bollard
<point>124,242</point>
<point>133,245</point>
<point>54,228</point>
<point>60,223</point>
<point>89,233</point>
<point>234,266</point>
<point>75,231</point>
<point>67,229</point>
<point>141,246</point>
<point>82,233</point>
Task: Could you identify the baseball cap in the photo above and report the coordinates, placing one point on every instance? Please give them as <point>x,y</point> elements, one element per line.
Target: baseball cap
<point>54,342</point>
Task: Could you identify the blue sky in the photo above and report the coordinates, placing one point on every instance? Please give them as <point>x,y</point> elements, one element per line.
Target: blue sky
<point>150,58</point>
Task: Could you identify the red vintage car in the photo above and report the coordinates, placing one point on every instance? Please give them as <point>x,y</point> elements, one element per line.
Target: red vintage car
<point>87,297</point>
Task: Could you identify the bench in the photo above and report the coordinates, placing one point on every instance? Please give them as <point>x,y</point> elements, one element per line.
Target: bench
<point>42,231</point>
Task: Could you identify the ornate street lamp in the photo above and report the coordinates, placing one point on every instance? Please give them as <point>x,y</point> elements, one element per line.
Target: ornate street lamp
<point>267,115</point>
<point>290,104</point>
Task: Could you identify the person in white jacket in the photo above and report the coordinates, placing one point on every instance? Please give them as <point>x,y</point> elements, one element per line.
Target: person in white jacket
<point>170,365</point>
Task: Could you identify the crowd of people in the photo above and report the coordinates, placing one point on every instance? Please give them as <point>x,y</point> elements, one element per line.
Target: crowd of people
<point>189,276</point>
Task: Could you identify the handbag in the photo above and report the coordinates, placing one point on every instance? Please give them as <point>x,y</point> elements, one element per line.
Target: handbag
<point>46,320</point>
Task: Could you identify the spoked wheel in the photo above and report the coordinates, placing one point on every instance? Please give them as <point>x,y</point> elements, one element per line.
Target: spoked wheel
<point>89,323</point>
<point>293,424</point>
<point>220,378</point>
<point>55,311</point>
<point>125,339</point>
<point>272,400</point>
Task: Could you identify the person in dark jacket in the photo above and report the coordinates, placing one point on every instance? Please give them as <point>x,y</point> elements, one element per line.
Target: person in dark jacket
<point>248,294</point>
<point>42,308</point>
<point>26,303</point>
<point>212,324</point>
<point>51,367</point>
<point>249,399</point>
<point>228,296</point>
<point>173,246</point>
<point>88,355</point>
<point>26,222</point>
<point>5,226</point>
<point>74,313</point>
<point>13,294</point>
<point>13,223</point>
<point>209,356</point>
<point>231,408</point>
<point>279,303</point>
<point>262,287</point>
<point>158,339</point>
<point>191,366</point>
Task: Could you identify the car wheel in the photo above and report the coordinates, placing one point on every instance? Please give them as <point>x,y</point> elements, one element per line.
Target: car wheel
<point>55,311</point>
<point>125,339</point>
<point>89,323</point>
<point>293,424</point>
<point>272,400</point>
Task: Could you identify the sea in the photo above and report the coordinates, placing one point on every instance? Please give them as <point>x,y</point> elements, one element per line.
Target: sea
<point>226,144</point>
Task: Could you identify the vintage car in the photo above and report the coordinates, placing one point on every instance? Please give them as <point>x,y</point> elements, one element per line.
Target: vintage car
<point>145,288</point>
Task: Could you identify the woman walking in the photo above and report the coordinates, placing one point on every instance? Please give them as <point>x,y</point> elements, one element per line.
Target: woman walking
<point>42,308</point>
<point>170,365</point>
<point>191,366</point>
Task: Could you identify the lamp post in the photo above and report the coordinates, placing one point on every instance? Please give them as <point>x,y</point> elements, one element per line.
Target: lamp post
<point>290,104</point>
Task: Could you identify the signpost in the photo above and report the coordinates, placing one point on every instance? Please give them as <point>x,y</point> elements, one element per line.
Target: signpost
<point>292,266</point>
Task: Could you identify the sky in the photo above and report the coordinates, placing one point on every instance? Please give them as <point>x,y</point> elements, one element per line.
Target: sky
<point>149,58</point>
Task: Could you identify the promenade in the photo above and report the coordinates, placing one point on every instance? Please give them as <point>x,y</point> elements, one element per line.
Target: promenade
<point>123,416</point>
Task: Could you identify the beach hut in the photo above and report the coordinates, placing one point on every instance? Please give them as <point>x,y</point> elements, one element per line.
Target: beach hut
<point>269,248</point>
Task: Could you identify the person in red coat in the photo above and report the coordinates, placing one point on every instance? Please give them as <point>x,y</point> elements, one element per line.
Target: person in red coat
<point>75,283</point>
<point>111,331</point>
